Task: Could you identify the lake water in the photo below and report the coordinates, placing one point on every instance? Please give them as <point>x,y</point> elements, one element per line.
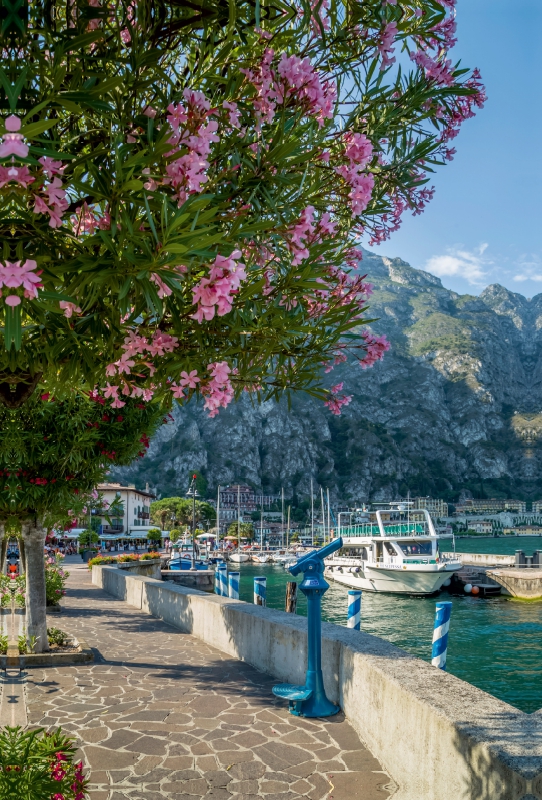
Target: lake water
<point>495,643</point>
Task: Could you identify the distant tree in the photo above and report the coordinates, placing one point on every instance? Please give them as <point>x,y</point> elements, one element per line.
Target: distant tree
<point>88,537</point>
<point>174,535</point>
<point>177,511</point>
<point>154,535</point>
<point>246,530</point>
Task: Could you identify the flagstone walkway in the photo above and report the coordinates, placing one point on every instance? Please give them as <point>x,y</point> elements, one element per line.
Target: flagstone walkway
<point>162,716</point>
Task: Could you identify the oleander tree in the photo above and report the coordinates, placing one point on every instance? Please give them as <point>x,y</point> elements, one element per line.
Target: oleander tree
<point>184,188</point>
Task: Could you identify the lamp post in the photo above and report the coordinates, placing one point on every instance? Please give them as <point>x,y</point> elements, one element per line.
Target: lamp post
<point>193,493</point>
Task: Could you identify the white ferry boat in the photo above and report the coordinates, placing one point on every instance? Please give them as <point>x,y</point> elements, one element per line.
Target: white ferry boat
<point>399,554</point>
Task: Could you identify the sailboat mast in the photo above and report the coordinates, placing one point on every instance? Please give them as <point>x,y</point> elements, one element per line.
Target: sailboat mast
<point>218,517</point>
<point>323,514</point>
<point>312,514</point>
<point>282,517</point>
<point>238,516</point>
<point>328,516</point>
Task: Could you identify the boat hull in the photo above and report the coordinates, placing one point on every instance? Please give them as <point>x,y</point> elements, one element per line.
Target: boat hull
<point>392,581</point>
<point>239,558</point>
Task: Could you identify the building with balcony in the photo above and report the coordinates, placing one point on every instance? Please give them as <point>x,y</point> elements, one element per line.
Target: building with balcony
<point>490,506</point>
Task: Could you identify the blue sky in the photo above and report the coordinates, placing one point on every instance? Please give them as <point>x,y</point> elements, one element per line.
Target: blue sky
<point>484,224</point>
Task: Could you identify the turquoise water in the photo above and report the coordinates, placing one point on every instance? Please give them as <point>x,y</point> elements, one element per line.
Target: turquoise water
<point>500,545</point>
<point>495,644</point>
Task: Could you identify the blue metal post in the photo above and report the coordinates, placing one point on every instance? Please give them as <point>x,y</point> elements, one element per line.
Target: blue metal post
<point>440,634</point>
<point>354,609</point>
<point>310,700</point>
<point>233,585</point>
<point>260,591</point>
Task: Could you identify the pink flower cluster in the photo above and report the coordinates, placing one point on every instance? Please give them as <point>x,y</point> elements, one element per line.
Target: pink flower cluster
<point>14,275</point>
<point>337,400</point>
<point>375,347</point>
<point>52,200</point>
<point>218,391</point>
<point>295,81</point>
<point>306,231</point>
<point>193,134</point>
<point>358,153</point>
<point>215,293</point>
<point>438,70</point>
<point>138,352</point>
<point>85,220</point>
<point>386,45</point>
<point>300,82</point>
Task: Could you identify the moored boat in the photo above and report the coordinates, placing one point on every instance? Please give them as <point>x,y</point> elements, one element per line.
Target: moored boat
<point>398,555</point>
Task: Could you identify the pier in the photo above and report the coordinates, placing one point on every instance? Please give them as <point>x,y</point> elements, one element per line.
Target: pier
<point>518,575</point>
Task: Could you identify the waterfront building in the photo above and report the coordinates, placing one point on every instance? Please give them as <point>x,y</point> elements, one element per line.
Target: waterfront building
<point>489,506</point>
<point>435,506</point>
<point>128,528</point>
<point>240,496</point>
<point>481,526</point>
<point>537,506</point>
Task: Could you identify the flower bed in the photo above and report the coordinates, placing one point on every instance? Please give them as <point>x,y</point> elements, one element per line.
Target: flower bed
<point>55,579</point>
<point>36,765</point>
<point>101,560</point>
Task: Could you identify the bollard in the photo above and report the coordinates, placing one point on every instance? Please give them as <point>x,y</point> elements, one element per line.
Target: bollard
<point>354,609</point>
<point>260,591</point>
<point>233,585</point>
<point>440,634</point>
<point>291,597</point>
<point>224,581</point>
<point>310,700</point>
<point>221,580</point>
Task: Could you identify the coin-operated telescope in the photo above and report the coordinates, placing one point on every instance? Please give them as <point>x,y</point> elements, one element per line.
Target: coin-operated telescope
<point>310,700</point>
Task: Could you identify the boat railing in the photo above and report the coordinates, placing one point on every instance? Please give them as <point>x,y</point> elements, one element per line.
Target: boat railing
<point>399,529</point>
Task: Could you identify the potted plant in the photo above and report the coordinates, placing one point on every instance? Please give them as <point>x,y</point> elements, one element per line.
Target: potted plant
<point>87,539</point>
<point>154,537</point>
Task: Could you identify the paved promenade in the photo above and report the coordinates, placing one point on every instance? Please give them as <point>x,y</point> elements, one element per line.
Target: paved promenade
<point>161,715</point>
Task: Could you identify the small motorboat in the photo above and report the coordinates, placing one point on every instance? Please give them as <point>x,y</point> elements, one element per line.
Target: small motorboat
<point>239,557</point>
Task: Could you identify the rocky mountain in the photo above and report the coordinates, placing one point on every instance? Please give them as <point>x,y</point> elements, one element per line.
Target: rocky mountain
<point>455,406</point>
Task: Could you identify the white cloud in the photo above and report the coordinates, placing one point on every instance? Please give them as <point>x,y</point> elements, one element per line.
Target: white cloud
<point>467,264</point>
<point>530,269</point>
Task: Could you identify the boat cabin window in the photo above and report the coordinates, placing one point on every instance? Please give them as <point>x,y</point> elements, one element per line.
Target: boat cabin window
<point>389,549</point>
<point>416,548</point>
<point>353,552</point>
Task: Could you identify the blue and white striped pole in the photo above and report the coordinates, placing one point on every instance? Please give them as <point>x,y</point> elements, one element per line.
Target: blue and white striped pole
<point>354,609</point>
<point>260,591</point>
<point>440,634</point>
<point>224,580</point>
<point>221,579</point>
<point>233,585</point>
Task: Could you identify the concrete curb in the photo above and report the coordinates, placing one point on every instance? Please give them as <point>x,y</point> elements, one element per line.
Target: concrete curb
<point>54,659</point>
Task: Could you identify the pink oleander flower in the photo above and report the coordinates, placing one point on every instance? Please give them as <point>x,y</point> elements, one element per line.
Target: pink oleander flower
<point>215,293</point>
<point>163,288</point>
<point>301,83</point>
<point>385,47</point>
<point>13,142</point>
<point>218,391</point>
<point>13,300</point>
<point>189,379</point>
<point>20,175</point>
<point>13,275</point>
<point>69,308</point>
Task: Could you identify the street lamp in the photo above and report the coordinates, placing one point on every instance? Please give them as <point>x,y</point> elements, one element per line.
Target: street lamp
<point>339,518</point>
<point>193,493</point>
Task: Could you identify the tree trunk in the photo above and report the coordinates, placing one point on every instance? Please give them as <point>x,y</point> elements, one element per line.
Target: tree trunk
<point>22,557</point>
<point>36,621</point>
<point>3,547</point>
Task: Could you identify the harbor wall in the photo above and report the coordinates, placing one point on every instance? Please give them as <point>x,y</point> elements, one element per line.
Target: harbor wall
<point>438,736</point>
<point>484,559</point>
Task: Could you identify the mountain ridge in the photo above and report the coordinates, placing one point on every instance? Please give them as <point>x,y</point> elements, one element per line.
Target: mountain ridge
<point>455,406</point>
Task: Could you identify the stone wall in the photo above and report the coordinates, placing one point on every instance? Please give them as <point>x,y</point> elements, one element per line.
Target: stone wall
<point>439,737</point>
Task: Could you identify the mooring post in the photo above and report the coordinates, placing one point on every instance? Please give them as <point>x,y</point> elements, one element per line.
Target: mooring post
<point>354,609</point>
<point>440,634</point>
<point>221,579</point>
<point>233,585</point>
<point>311,700</point>
<point>291,597</point>
<point>260,591</point>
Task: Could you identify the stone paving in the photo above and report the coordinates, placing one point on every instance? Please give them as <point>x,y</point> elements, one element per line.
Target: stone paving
<point>161,715</point>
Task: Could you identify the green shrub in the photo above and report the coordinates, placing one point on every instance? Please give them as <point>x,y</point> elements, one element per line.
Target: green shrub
<point>36,765</point>
<point>148,556</point>
<point>154,535</point>
<point>88,537</point>
<point>56,636</point>
<point>55,580</point>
